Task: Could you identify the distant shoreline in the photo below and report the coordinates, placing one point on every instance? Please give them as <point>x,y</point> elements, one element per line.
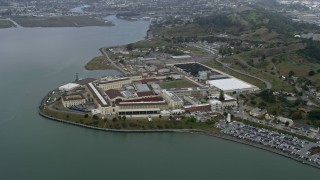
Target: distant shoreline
<point>197,131</point>
<point>59,21</point>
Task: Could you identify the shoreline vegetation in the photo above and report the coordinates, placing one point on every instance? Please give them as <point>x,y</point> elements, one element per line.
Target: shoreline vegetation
<point>59,21</point>
<point>128,123</point>
<point>98,63</point>
<point>4,23</point>
<point>213,133</point>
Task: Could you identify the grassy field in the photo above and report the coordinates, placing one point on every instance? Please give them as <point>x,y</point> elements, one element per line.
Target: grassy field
<point>264,68</point>
<point>98,63</point>
<point>151,44</point>
<point>60,21</point>
<point>196,51</point>
<point>176,84</point>
<point>261,34</point>
<point>183,31</point>
<point>245,78</point>
<point>6,24</point>
<point>276,82</point>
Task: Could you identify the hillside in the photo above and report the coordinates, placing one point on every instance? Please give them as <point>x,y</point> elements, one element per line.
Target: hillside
<point>250,25</point>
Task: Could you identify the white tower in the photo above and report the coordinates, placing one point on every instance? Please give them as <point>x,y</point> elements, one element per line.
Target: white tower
<point>229,118</point>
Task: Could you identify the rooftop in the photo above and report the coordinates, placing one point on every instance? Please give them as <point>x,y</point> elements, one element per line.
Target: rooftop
<point>73,97</point>
<point>142,87</point>
<point>113,93</point>
<point>149,80</point>
<point>102,101</point>
<point>145,93</point>
<point>230,84</point>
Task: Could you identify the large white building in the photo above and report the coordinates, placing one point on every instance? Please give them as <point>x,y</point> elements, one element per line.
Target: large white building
<point>231,85</point>
<point>69,87</point>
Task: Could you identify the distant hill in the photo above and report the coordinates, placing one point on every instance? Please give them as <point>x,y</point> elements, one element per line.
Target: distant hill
<point>238,23</point>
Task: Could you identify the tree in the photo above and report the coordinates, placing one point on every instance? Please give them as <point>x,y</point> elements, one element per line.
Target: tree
<point>287,123</point>
<point>129,47</point>
<point>160,116</point>
<point>124,117</point>
<point>114,119</point>
<point>86,116</point>
<point>95,117</point>
<point>193,119</point>
<point>311,73</point>
<point>314,115</point>
<point>268,96</point>
<point>291,73</point>
<point>221,96</point>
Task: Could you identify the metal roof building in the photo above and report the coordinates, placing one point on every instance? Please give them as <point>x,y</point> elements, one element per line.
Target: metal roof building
<point>232,84</point>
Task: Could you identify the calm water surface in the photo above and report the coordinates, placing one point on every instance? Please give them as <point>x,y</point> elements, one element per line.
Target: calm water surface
<point>35,60</point>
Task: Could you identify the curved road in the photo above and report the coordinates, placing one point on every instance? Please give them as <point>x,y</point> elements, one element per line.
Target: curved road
<point>267,83</point>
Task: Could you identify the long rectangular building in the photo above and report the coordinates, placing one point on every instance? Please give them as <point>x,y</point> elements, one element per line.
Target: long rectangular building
<point>99,100</point>
<point>232,84</point>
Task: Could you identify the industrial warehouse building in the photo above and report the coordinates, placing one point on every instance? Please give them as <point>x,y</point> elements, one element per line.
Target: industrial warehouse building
<point>230,85</point>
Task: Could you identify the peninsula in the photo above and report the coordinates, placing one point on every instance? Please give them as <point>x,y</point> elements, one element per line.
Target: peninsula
<point>168,91</point>
<point>248,76</point>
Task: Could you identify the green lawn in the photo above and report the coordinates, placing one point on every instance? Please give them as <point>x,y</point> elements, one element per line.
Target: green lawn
<point>150,44</point>
<point>176,84</point>
<point>133,124</point>
<point>98,63</point>
<point>245,78</point>
<point>196,51</point>
<point>6,24</point>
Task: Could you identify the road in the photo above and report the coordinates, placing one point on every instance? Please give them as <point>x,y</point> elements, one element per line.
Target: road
<point>15,23</point>
<point>267,83</point>
<point>243,115</point>
<point>103,51</point>
<point>227,66</point>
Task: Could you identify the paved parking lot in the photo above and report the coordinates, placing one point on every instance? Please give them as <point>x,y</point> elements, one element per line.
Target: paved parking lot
<point>285,143</point>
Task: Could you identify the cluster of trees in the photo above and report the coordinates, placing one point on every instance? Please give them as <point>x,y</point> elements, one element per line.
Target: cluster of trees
<point>232,23</point>
<point>225,50</point>
<point>173,51</point>
<point>268,96</point>
<point>312,50</point>
<point>181,39</point>
<point>236,23</point>
<point>314,116</point>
